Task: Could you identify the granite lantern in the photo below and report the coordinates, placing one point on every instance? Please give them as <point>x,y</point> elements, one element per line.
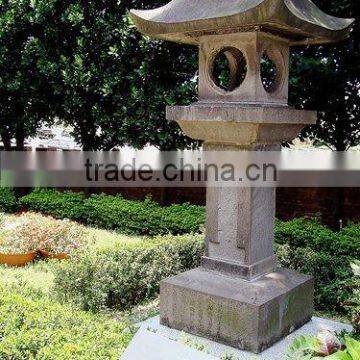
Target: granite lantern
<point>239,296</point>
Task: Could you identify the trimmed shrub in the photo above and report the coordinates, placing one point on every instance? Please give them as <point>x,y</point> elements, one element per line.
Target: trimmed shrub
<point>127,273</point>
<point>142,217</point>
<point>331,273</point>
<point>116,213</point>
<point>61,205</point>
<point>38,328</point>
<point>8,201</point>
<point>311,248</point>
<point>309,233</point>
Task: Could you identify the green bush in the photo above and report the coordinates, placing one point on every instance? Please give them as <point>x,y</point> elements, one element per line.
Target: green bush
<point>354,301</point>
<point>38,328</point>
<point>8,201</point>
<point>311,248</point>
<point>142,217</point>
<point>309,233</point>
<point>330,271</point>
<point>61,205</point>
<point>127,273</point>
<point>116,213</point>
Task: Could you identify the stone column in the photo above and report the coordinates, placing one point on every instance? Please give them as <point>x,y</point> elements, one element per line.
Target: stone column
<point>239,227</point>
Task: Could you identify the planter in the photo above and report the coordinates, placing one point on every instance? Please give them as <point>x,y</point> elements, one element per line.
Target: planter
<point>47,254</point>
<point>17,260</point>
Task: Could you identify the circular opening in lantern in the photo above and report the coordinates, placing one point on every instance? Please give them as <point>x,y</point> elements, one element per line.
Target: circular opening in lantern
<point>271,65</point>
<point>229,69</point>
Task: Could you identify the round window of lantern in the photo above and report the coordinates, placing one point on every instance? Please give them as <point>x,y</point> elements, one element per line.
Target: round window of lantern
<point>272,70</point>
<point>228,69</point>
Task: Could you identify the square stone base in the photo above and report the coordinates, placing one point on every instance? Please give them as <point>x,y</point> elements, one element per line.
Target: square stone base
<point>248,315</point>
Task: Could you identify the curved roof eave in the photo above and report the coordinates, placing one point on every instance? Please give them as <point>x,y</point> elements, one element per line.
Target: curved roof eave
<point>186,20</point>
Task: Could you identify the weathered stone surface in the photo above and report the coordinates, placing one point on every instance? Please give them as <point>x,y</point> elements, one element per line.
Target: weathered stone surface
<point>301,21</point>
<point>251,47</point>
<point>217,112</point>
<point>276,352</point>
<point>238,124</point>
<point>239,227</point>
<point>249,315</point>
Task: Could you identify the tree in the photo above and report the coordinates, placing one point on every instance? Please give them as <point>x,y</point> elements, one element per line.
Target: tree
<point>114,82</point>
<point>85,62</point>
<point>327,78</point>
<point>26,70</point>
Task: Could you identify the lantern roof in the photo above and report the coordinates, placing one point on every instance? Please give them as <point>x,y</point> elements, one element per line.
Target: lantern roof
<point>185,21</point>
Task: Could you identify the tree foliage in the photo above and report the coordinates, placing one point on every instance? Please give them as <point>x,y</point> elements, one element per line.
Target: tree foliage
<point>327,78</point>
<point>115,83</point>
<point>84,61</point>
<point>26,71</point>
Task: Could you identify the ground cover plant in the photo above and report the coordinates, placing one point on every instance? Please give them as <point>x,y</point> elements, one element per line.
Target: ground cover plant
<point>33,326</point>
<point>8,201</point>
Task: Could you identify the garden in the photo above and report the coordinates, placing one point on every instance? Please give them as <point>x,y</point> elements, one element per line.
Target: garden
<point>95,264</point>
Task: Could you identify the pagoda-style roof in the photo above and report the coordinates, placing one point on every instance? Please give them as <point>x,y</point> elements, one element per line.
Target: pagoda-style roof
<point>300,21</point>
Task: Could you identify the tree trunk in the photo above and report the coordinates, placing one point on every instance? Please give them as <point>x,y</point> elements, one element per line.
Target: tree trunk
<point>20,139</point>
<point>6,139</point>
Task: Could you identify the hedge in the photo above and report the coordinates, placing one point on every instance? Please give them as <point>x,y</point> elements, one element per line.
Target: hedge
<point>60,205</point>
<point>8,201</point>
<point>38,328</point>
<point>309,233</point>
<point>116,213</point>
<point>311,248</point>
<point>131,272</point>
<point>127,273</point>
<point>332,274</point>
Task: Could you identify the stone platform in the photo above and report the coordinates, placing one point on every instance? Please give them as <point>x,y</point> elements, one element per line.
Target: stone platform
<point>156,342</point>
<point>248,315</point>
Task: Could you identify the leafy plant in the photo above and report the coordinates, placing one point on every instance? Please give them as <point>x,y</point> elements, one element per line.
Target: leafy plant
<point>8,201</point>
<point>126,273</point>
<point>325,345</point>
<point>34,327</point>
<point>29,232</point>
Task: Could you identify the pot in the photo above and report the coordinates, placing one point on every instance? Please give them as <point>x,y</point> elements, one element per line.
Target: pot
<point>17,260</point>
<point>47,254</point>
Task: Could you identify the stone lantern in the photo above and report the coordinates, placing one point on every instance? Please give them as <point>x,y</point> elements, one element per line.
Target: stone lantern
<point>238,296</point>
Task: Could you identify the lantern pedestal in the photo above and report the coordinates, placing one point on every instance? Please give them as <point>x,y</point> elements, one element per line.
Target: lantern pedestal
<point>238,296</point>
<point>249,315</point>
